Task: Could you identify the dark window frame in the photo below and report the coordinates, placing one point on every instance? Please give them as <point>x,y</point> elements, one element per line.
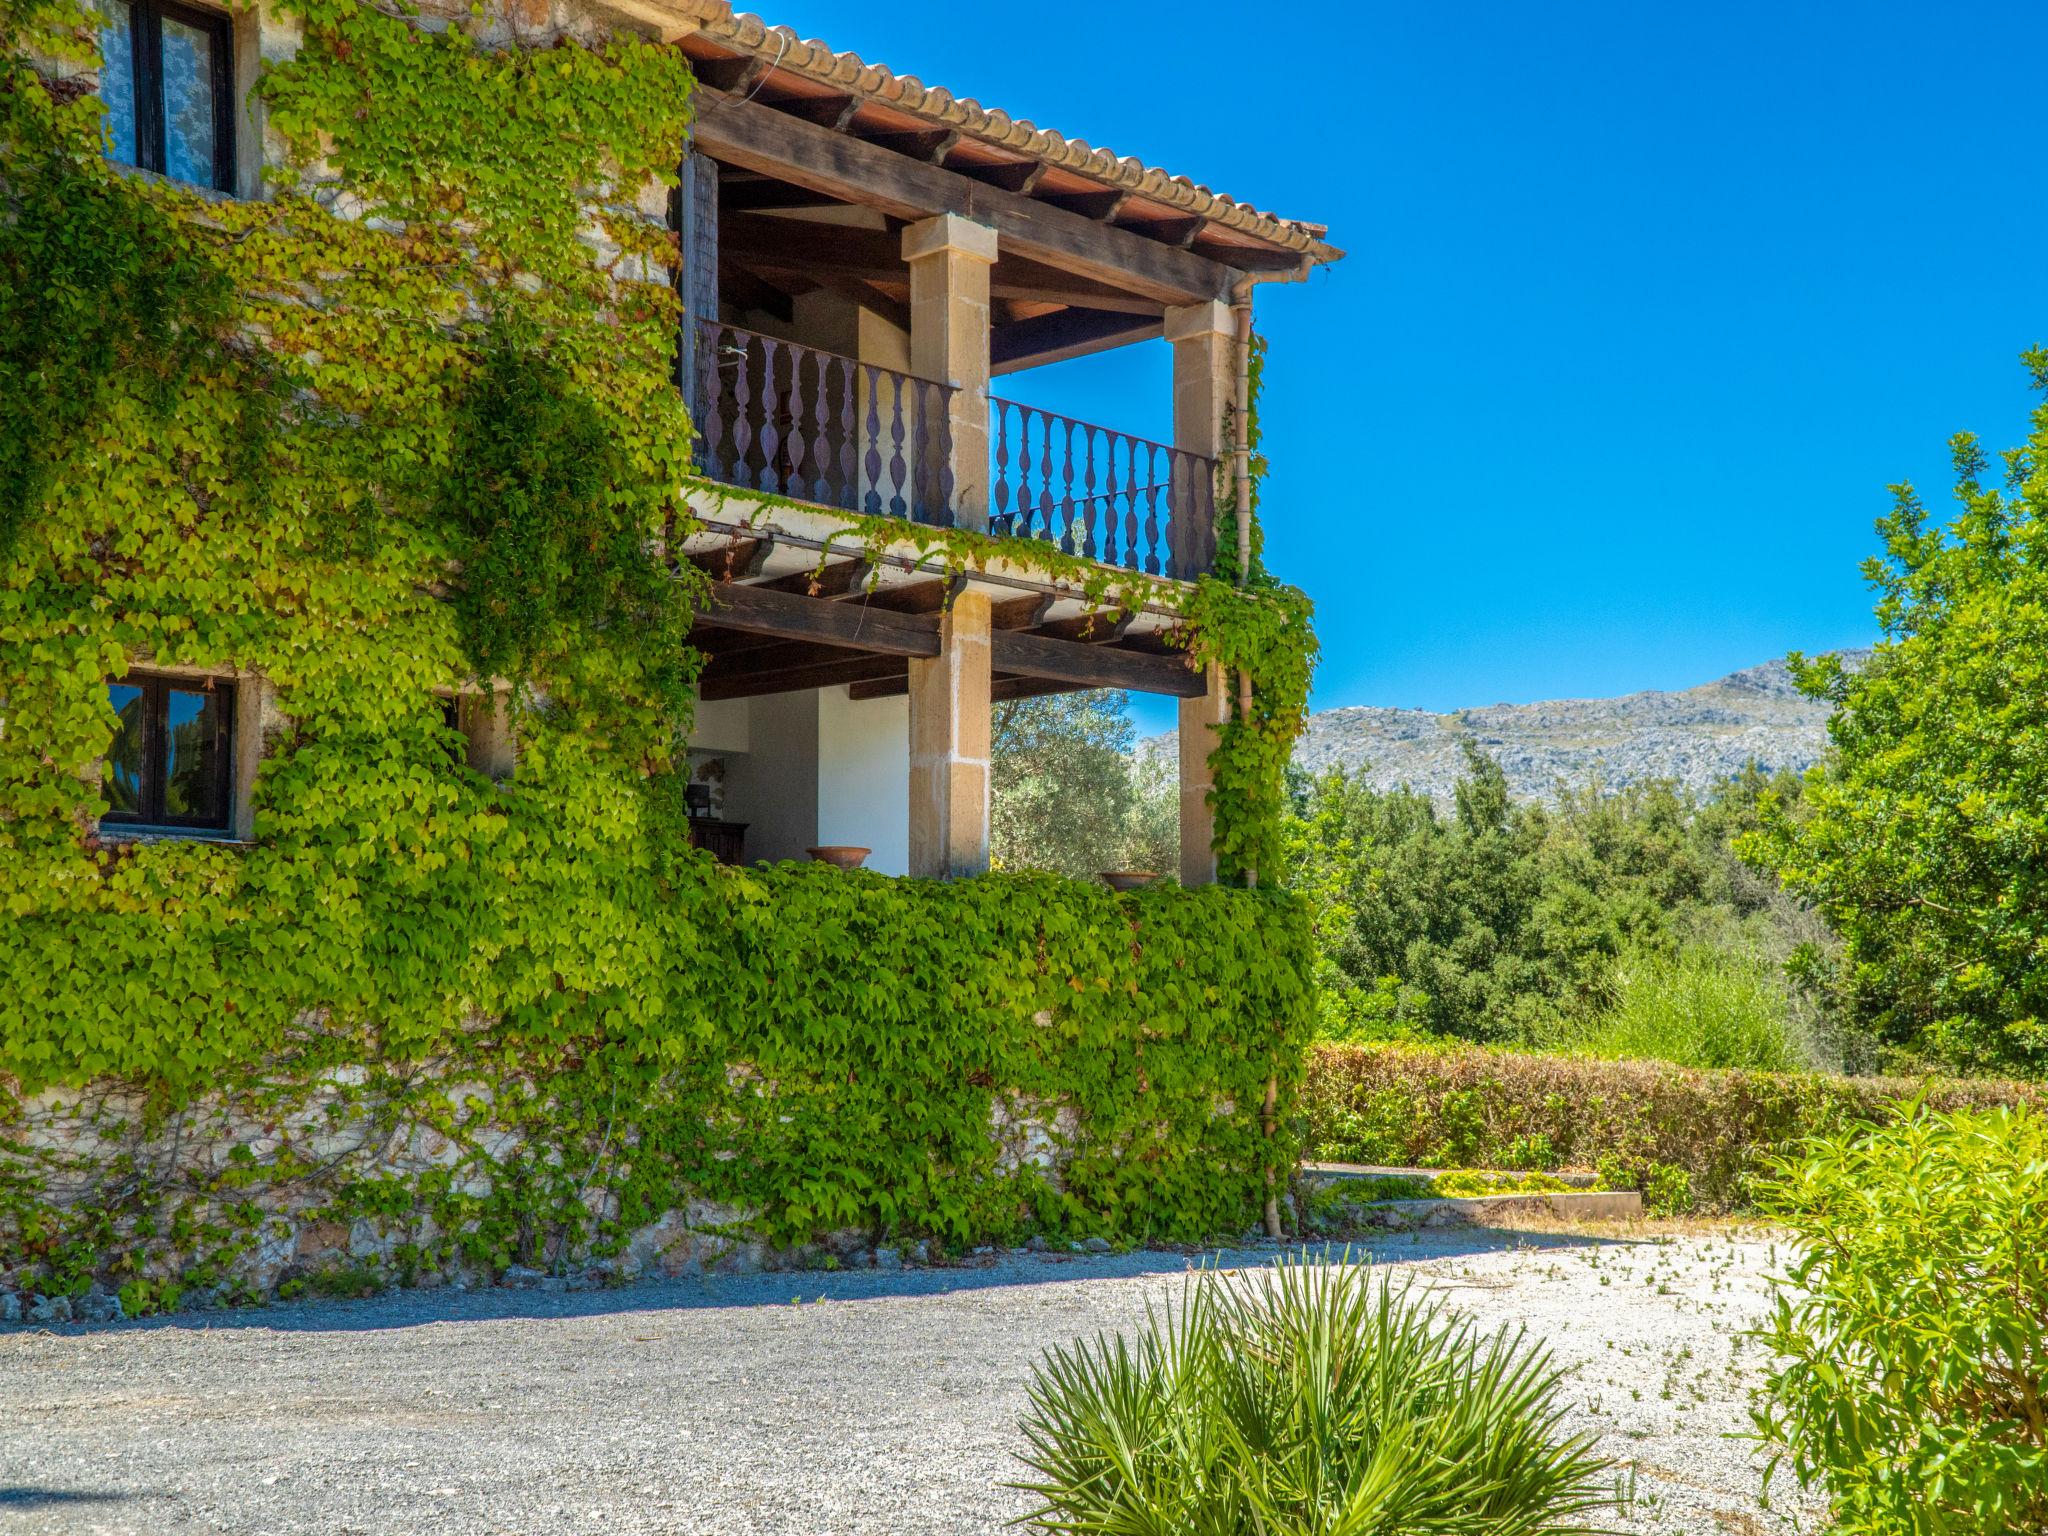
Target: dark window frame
<point>156,742</point>
<point>146,43</point>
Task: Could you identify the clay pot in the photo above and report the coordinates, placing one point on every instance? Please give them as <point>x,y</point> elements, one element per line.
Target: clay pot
<point>1128,879</point>
<point>840,857</point>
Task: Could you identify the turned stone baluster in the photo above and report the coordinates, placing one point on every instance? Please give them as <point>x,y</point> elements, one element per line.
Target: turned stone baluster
<point>1001,519</point>
<point>742,408</point>
<point>849,438</point>
<point>899,468</point>
<point>1152,472</point>
<point>872,499</point>
<point>712,402</point>
<point>1045,480</point>
<point>769,432</point>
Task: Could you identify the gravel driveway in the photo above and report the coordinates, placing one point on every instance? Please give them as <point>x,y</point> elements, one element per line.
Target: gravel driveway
<point>816,1405</point>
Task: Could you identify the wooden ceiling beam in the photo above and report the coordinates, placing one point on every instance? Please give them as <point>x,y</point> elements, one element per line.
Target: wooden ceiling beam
<point>1026,612</point>
<point>748,291</point>
<point>738,74</point>
<point>759,138</point>
<point>738,561</point>
<point>1101,206</point>
<point>1092,666</point>
<point>858,626</point>
<point>840,578</point>
<point>1070,333</point>
<point>1001,690</point>
<point>1248,260</point>
<point>1020,178</point>
<point>856,669</point>
<point>864,293</point>
<point>774,656</point>
<point>1089,628</point>
<point>834,112</point>
<point>930,145</point>
<point>799,248</point>
<point>735,196</point>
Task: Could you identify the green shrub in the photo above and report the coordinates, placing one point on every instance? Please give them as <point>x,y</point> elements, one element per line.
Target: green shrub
<point>1688,1139</point>
<point>1465,1184</point>
<point>1305,1399</point>
<point>1702,1007</point>
<point>1913,1327</point>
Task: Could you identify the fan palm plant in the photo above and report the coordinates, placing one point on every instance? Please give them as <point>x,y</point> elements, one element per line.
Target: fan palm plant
<point>1305,1400</point>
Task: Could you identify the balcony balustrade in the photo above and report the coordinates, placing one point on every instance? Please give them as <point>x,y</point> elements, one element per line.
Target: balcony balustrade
<point>792,420</point>
<point>1108,496</point>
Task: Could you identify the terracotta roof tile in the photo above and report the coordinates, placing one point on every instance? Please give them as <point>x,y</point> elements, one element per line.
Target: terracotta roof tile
<point>848,71</point>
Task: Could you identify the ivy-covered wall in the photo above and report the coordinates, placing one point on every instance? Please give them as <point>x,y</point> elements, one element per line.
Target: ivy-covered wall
<point>404,423</point>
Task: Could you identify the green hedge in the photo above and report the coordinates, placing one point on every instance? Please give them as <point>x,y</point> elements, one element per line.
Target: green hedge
<point>1689,1139</point>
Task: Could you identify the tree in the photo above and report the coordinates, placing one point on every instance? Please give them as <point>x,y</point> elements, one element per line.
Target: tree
<point>1068,795</point>
<point>1532,924</point>
<point>1925,837</point>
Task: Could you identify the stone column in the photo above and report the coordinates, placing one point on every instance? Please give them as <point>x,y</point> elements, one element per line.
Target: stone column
<point>949,746</point>
<point>1200,720</point>
<point>1204,338</point>
<point>949,259</point>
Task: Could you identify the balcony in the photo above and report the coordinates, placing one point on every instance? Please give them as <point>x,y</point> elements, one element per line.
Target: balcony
<point>791,420</point>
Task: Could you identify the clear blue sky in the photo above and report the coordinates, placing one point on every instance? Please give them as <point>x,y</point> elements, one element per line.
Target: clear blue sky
<point>1645,305</point>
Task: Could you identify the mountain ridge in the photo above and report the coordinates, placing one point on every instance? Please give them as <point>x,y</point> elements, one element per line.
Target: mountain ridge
<point>1697,736</point>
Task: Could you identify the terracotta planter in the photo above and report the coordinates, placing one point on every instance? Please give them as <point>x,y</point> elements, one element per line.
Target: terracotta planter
<point>840,857</point>
<point>1128,879</point>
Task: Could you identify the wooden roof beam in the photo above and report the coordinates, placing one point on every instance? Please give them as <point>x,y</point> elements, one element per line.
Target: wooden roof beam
<point>1070,333</point>
<point>1020,178</point>
<point>741,560</point>
<point>858,626</point>
<point>834,112</point>
<point>738,74</point>
<point>1101,206</point>
<point>759,138</point>
<point>799,248</point>
<point>1092,666</point>
<point>838,579</point>
<point>831,674</point>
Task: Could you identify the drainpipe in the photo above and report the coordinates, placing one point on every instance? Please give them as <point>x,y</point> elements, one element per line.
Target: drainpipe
<point>1241,450</point>
<point>1241,453</point>
<point>1241,303</point>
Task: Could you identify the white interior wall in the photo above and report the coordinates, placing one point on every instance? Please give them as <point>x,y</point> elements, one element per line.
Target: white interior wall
<point>864,776</point>
<point>805,769</point>
<point>779,796</point>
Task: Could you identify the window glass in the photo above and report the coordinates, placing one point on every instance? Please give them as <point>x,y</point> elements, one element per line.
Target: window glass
<point>117,78</point>
<point>122,775</point>
<point>191,766</point>
<point>188,102</point>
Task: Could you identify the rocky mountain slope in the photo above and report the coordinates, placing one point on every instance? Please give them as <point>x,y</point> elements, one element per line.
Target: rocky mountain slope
<point>1697,736</point>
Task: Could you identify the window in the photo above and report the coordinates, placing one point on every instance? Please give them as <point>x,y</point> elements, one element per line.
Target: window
<point>168,90</point>
<point>171,764</point>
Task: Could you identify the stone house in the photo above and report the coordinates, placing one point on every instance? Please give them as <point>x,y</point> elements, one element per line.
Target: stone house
<point>862,261</point>
<point>866,260</point>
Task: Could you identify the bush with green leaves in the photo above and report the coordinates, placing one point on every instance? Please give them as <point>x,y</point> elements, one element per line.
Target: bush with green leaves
<point>1912,1329</point>
<point>1688,1139</point>
<point>1308,1400</point>
<point>1923,837</point>
<point>1704,1006</point>
<point>1620,922</point>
